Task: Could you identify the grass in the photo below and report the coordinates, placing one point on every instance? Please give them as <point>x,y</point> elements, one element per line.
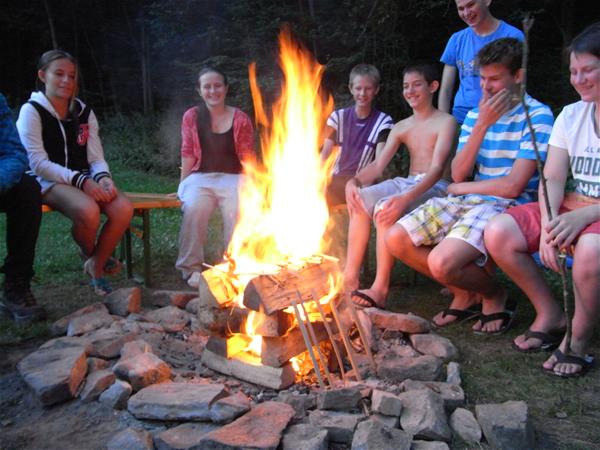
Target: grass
<point>565,413</point>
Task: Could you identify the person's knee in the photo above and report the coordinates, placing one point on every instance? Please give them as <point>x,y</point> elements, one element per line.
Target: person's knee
<point>586,266</point>
<point>499,234</point>
<point>442,265</point>
<point>397,240</point>
<point>87,214</point>
<point>121,210</point>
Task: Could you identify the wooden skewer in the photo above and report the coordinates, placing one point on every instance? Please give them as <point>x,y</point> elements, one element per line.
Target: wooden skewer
<point>313,336</point>
<point>344,334</point>
<point>307,343</point>
<point>361,331</point>
<point>336,349</point>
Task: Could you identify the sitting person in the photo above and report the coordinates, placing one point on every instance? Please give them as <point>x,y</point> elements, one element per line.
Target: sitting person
<point>360,130</point>
<point>20,199</point>
<point>429,136</point>
<point>60,134</point>
<point>512,237</point>
<point>216,140</point>
<point>443,238</point>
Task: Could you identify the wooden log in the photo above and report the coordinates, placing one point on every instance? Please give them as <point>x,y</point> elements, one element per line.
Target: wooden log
<point>274,325</point>
<point>276,351</point>
<point>215,289</point>
<point>248,368</point>
<point>275,293</point>
<point>221,321</point>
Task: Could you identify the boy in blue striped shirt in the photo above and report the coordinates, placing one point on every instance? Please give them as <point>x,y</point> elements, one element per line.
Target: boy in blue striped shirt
<point>443,238</point>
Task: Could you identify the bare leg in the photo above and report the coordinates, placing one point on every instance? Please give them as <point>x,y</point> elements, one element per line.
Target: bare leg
<point>507,245</point>
<point>586,281</point>
<point>359,230</point>
<point>385,262</point>
<point>81,209</point>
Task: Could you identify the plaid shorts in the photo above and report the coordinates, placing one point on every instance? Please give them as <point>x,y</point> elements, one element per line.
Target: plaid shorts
<point>462,217</point>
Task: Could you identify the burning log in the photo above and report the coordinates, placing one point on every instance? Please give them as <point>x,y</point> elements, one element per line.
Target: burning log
<point>215,288</point>
<point>275,292</point>
<point>248,368</point>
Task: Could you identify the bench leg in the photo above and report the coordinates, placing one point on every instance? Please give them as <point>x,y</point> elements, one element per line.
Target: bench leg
<point>126,247</point>
<point>147,251</point>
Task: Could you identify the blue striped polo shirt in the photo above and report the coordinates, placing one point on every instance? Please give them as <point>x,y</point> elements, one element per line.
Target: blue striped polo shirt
<point>508,140</point>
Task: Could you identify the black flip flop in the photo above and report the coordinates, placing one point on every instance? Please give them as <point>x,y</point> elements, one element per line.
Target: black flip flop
<point>367,298</point>
<point>586,362</point>
<point>507,316</point>
<point>550,340</point>
<point>462,315</point>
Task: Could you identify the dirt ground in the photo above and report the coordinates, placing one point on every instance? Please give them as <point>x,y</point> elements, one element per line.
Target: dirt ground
<point>565,413</point>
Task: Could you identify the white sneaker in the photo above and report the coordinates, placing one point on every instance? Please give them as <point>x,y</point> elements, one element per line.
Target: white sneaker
<point>194,279</point>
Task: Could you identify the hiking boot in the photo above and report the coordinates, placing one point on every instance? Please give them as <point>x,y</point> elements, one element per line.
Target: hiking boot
<point>18,301</point>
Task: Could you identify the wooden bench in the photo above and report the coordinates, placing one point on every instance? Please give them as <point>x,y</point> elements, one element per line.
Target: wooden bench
<point>142,205</point>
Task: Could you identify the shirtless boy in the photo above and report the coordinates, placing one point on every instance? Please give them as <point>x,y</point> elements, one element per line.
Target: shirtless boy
<point>428,135</point>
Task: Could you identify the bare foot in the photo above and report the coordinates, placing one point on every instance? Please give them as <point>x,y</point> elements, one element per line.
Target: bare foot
<point>489,307</point>
<point>554,328</point>
<point>460,302</point>
<point>351,283</point>
<point>369,298</point>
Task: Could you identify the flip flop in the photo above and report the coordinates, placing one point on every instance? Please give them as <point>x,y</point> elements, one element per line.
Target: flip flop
<point>550,340</point>
<point>367,298</point>
<point>100,285</point>
<point>462,315</point>
<point>586,362</point>
<point>507,316</point>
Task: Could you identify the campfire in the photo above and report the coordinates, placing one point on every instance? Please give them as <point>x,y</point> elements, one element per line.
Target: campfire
<point>277,290</point>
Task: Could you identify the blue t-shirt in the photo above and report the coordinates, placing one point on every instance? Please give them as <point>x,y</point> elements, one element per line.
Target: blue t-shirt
<point>461,51</point>
<point>509,139</point>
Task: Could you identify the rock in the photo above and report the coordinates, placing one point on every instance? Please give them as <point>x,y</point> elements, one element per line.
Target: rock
<point>59,327</point>
<point>175,401</point>
<point>95,384</point>
<point>367,326</point>
<point>506,425</point>
<point>340,425</point>
<point>89,322</point>
<point>429,445</point>
<point>135,348</point>
<point>453,373</point>
<point>297,401</point>
<point>171,318</point>
<point>227,409</point>
<point>67,342</point>
<point>465,426</point>
<point>193,305</point>
<point>94,364</point>
<point>423,415</point>
<point>388,421</point>
<point>124,301</point>
<point>116,395</point>
<point>386,403</point>
<point>107,342</point>
<point>187,436</point>
<point>305,437</point>
<point>131,439</point>
<point>339,399</point>
<point>173,298</point>
<point>54,374</point>
<point>406,323</point>
<point>452,395</point>
<point>142,370</point>
<point>261,428</point>
<point>434,345</point>
<point>403,350</point>
<point>373,435</point>
<point>425,368</point>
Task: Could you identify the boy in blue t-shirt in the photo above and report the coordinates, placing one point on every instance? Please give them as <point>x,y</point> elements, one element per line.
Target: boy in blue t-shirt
<point>460,55</point>
<point>360,130</point>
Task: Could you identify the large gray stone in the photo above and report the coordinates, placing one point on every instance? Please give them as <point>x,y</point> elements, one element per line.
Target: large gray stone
<point>193,305</point>
<point>116,395</point>
<point>340,425</point>
<point>434,345</point>
<point>261,428</point>
<point>95,384</point>
<point>506,425</point>
<point>425,368</point>
<point>187,436</point>
<point>171,318</point>
<point>131,439</point>
<point>227,409</point>
<point>135,348</point>
<point>423,415</point>
<point>89,322</point>
<point>465,426</point>
<point>340,399</point>
<point>373,435</point>
<point>107,342</point>
<point>124,301</point>
<point>142,370</point>
<point>67,342</point>
<point>305,437</point>
<point>176,401</point>
<point>59,327</point>
<point>452,394</point>
<point>453,373</point>
<point>297,401</point>
<point>94,364</point>
<point>173,298</point>
<point>429,445</point>
<point>54,374</point>
<point>406,323</point>
<point>385,403</point>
